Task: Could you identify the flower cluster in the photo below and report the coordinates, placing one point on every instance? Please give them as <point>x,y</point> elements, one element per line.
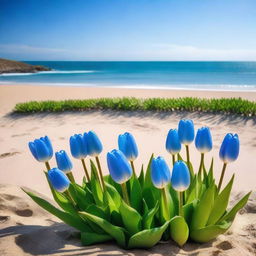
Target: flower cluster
<point>162,202</point>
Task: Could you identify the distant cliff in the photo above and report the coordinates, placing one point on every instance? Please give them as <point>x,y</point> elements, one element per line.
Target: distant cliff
<point>11,66</point>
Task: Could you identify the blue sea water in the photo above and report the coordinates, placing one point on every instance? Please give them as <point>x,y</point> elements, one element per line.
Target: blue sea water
<point>143,74</point>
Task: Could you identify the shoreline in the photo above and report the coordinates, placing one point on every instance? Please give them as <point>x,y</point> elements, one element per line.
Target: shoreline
<point>132,86</point>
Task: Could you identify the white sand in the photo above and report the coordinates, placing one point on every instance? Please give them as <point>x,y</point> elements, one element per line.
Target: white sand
<point>17,166</point>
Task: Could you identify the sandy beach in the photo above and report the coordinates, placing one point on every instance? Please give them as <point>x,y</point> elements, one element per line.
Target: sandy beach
<point>21,221</point>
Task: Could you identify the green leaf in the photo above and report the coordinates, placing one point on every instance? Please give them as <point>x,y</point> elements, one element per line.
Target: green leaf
<point>145,207</point>
<point>203,210</point>
<point>131,218</point>
<point>148,182</point>
<point>97,211</point>
<point>180,158</point>
<point>72,220</point>
<point>188,210</point>
<point>114,195</point>
<point>90,238</point>
<point>110,181</point>
<point>95,185</point>
<point>149,217</point>
<point>165,216</point>
<point>209,179</point>
<point>114,231</point>
<point>147,238</point>
<point>116,219</point>
<point>141,177</point>
<point>191,191</point>
<point>230,215</point>
<point>80,196</point>
<point>208,233</point>
<point>60,199</point>
<point>179,230</point>
<point>220,203</point>
<point>175,199</point>
<point>136,194</point>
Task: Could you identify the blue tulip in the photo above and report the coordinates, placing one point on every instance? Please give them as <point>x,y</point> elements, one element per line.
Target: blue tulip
<point>127,145</point>
<point>186,131</point>
<point>58,179</point>
<point>203,140</point>
<point>41,149</point>
<point>173,144</point>
<point>63,161</point>
<point>78,146</point>
<point>180,176</point>
<point>229,149</point>
<point>94,144</point>
<point>119,167</point>
<point>160,172</point>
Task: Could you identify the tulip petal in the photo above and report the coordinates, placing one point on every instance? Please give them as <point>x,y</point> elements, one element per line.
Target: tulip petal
<point>160,172</point>
<point>32,148</point>
<point>119,168</point>
<point>94,145</point>
<point>180,176</point>
<point>173,144</point>
<point>58,179</point>
<point>42,151</point>
<point>186,131</point>
<point>63,161</point>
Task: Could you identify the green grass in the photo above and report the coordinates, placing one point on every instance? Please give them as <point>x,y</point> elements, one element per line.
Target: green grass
<point>223,105</point>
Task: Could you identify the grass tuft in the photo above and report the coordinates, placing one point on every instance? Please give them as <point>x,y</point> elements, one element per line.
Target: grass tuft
<point>223,105</point>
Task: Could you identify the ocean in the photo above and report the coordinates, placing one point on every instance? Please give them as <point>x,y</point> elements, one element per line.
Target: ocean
<point>234,76</point>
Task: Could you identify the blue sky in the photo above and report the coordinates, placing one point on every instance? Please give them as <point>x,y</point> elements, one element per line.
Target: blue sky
<point>128,29</point>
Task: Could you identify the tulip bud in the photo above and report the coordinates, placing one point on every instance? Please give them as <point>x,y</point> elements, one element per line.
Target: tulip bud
<point>203,140</point>
<point>127,145</point>
<point>160,172</point>
<point>41,149</point>
<point>229,149</point>
<point>173,144</point>
<point>78,146</point>
<point>186,131</point>
<point>58,179</point>
<point>63,161</point>
<point>119,167</point>
<point>94,145</point>
<point>180,176</point>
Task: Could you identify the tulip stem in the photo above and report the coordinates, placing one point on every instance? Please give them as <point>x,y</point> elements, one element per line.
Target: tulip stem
<point>164,196</point>
<point>71,177</point>
<point>180,203</point>
<point>173,160</point>
<point>187,152</point>
<point>188,160</point>
<point>201,165</point>
<point>125,193</point>
<point>85,170</point>
<point>133,168</point>
<point>47,166</point>
<point>101,175</point>
<point>222,175</point>
<point>68,195</point>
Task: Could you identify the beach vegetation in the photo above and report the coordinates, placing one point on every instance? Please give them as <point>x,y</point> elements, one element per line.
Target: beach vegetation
<point>223,105</point>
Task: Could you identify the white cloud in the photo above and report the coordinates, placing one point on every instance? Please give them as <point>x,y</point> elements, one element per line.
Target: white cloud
<point>165,52</point>
<point>18,48</point>
<point>187,52</point>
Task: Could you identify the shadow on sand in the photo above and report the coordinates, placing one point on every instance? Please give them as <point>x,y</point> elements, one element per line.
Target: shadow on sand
<point>59,239</point>
<point>214,118</point>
